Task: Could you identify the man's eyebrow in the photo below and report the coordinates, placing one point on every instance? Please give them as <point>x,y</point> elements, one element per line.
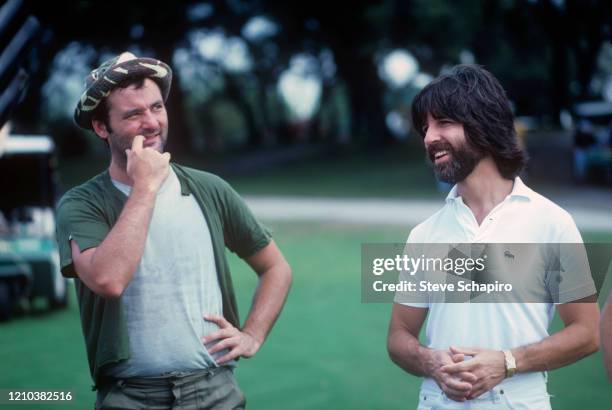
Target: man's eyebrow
<point>131,112</point>
<point>158,102</point>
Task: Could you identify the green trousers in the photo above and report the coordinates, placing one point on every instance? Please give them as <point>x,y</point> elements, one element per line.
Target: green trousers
<point>207,389</point>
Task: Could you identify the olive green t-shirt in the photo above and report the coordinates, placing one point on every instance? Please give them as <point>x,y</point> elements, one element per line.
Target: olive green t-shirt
<point>87,213</point>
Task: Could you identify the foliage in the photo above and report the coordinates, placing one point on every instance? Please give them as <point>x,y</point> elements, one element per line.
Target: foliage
<point>236,53</point>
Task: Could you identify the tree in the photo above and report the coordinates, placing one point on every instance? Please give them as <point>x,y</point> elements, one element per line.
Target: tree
<point>112,27</point>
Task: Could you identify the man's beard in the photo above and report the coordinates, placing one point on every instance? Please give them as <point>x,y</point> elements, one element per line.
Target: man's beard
<point>458,166</point>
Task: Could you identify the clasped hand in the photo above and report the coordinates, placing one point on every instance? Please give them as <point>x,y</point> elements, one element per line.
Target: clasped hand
<point>462,379</point>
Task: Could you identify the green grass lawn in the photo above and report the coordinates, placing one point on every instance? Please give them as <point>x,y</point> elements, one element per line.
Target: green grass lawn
<point>327,350</point>
<point>397,172</point>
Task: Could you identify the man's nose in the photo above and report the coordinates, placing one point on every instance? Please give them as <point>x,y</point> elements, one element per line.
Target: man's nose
<point>149,120</point>
<point>430,136</point>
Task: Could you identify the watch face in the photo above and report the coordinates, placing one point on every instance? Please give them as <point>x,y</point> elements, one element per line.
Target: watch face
<point>510,363</point>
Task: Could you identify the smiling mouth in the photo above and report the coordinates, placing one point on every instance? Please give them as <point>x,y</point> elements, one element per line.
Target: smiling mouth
<point>150,140</point>
<point>440,155</point>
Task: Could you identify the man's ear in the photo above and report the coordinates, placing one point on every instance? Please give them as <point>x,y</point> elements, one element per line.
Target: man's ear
<point>100,128</point>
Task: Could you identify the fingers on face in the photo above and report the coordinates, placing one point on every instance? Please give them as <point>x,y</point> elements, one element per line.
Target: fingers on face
<point>137,143</point>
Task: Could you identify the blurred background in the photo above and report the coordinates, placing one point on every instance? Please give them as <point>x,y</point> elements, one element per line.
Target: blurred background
<point>304,108</point>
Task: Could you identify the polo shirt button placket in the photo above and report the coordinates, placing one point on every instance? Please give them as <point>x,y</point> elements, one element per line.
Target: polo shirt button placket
<point>488,224</point>
<point>483,228</point>
<point>465,219</point>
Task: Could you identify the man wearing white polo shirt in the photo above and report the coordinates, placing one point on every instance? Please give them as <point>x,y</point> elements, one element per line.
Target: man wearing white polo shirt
<point>606,336</point>
<point>486,355</point>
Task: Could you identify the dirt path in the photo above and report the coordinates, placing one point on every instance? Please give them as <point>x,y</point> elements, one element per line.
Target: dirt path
<point>394,212</point>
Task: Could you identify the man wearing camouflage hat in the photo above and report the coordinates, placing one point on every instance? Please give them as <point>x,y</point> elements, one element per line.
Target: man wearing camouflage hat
<point>145,241</point>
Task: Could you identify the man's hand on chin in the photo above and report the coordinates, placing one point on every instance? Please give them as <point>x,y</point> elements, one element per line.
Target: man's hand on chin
<point>488,366</point>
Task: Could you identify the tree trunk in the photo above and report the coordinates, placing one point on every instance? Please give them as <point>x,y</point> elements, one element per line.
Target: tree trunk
<point>365,90</point>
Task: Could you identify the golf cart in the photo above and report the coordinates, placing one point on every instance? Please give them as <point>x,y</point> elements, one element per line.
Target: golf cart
<point>29,259</point>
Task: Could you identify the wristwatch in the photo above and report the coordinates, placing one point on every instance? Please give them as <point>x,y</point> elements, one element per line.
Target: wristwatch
<point>510,363</point>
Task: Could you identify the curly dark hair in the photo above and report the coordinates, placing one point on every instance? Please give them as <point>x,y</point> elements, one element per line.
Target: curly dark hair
<point>473,97</point>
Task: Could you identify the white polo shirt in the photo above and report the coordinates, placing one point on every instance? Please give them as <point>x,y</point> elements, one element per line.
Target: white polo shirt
<point>524,216</point>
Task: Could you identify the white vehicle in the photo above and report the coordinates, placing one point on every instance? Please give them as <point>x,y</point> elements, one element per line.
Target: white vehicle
<point>29,259</point>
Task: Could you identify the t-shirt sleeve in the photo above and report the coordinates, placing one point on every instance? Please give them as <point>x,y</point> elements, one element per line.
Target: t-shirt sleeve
<point>244,235</point>
<point>80,220</point>
<point>570,278</point>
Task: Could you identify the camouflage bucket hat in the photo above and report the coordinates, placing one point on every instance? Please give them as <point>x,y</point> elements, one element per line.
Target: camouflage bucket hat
<point>100,82</point>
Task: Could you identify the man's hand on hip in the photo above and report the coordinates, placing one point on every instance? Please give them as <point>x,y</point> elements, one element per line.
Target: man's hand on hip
<point>487,365</point>
<point>240,343</point>
<point>145,166</point>
<point>456,386</point>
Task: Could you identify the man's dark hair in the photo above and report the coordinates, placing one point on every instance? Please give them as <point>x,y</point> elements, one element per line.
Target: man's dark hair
<point>472,96</point>
<point>101,111</point>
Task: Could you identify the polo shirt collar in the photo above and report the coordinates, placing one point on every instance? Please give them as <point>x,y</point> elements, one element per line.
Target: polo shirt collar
<point>519,190</point>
